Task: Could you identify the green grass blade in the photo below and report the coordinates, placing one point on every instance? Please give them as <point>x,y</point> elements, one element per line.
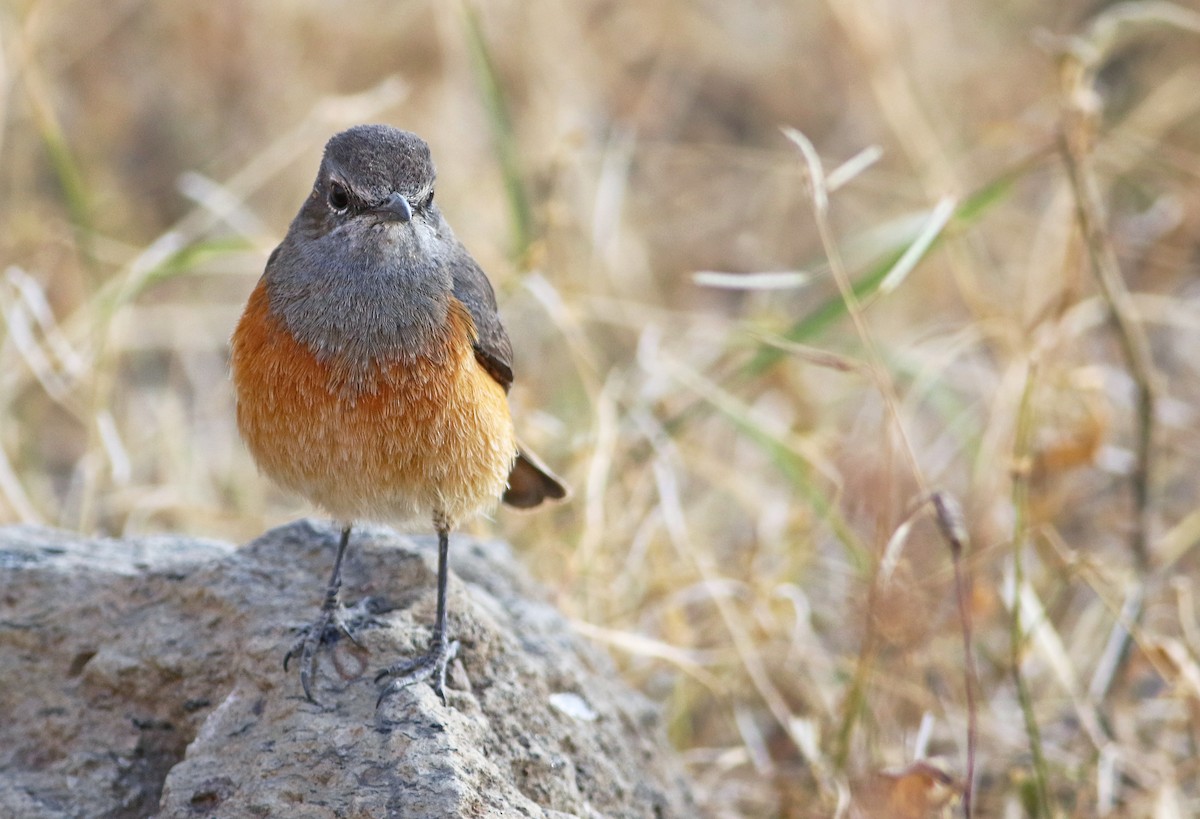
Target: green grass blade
<point>503,137</point>
<point>967,213</point>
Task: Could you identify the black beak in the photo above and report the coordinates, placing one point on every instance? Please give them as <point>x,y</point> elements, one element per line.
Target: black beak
<point>394,208</point>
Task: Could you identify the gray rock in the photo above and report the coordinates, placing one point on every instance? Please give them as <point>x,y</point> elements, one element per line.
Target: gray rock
<point>144,677</point>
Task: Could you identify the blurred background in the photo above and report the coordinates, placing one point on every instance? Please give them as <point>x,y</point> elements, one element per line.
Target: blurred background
<point>753,362</point>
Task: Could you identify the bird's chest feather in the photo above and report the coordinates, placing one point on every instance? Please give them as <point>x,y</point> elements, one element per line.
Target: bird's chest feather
<point>422,430</point>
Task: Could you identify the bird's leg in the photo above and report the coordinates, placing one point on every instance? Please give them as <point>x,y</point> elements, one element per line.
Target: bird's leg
<point>433,664</point>
<point>330,624</point>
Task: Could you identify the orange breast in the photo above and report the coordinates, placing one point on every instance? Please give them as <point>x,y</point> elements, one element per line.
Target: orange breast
<point>425,435</point>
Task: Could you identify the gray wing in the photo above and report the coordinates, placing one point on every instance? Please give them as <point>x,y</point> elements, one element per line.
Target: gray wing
<point>530,481</point>
<point>492,348</point>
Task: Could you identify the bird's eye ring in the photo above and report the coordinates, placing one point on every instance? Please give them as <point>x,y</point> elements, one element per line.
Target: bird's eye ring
<point>339,198</point>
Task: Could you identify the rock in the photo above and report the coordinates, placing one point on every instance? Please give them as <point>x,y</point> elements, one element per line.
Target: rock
<point>144,678</point>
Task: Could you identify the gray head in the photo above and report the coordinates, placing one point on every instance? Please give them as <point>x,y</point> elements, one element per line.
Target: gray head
<point>364,272</point>
<point>367,171</point>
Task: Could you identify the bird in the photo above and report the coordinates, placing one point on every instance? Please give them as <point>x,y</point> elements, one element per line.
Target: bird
<point>371,372</point>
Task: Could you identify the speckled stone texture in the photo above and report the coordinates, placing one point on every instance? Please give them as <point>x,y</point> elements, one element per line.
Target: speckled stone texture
<point>144,678</point>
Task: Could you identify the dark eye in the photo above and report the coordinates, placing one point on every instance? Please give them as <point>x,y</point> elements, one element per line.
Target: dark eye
<point>339,199</point>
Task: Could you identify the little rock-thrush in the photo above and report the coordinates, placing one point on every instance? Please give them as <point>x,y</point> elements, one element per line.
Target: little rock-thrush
<point>372,371</point>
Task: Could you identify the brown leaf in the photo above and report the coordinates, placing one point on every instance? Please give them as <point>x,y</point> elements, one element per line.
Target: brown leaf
<point>914,792</point>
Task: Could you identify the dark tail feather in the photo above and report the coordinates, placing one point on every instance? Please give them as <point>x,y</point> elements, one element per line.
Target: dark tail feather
<point>532,482</point>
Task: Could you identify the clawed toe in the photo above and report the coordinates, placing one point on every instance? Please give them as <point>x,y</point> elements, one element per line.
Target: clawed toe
<point>335,622</point>
<point>431,666</point>
<point>332,624</point>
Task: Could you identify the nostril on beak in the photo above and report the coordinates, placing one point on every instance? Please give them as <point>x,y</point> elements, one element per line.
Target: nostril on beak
<point>397,207</point>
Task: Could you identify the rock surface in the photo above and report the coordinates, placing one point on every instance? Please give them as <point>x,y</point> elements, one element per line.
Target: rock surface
<point>144,678</point>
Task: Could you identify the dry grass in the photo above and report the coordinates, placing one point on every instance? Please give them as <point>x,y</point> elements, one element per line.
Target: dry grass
<point>980,278</point>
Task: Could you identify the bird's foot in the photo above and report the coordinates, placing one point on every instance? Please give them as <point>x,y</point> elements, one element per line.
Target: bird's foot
<point>431,666</point>
<point>334,622</point>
